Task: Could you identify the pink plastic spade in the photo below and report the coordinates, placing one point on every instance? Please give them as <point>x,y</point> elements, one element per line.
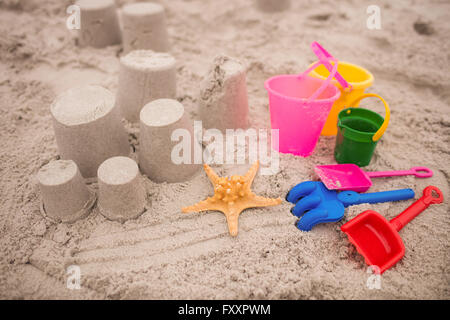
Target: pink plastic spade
<point>350,177</point>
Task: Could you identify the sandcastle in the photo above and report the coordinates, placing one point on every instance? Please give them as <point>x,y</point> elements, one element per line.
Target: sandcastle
<point>65,197</point>
<point>99,23</point>
<point>122,194</point>
<point>144,76</point>
<point>87,127</point>
<point>223,95</point>
<point>158,121</point>
<point>92,140</point>
<point>144,27</point>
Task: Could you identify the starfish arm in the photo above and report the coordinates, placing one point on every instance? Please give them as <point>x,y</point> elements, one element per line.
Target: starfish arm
<point>232,221</point>
<point>257,201</point>
<point>211,174</point>
<point>204,205</point>
<point>250,175</point>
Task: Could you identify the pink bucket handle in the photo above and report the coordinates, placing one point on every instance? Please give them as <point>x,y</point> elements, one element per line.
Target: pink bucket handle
<point>324,56</point>
<point>325,83</point>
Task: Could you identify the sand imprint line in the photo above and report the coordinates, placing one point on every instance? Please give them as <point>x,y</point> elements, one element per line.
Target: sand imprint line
<point>207,227</point>
<point>204,246</point>
<point>179,221</point>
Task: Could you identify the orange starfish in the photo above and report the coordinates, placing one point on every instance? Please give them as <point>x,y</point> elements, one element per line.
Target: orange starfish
<point>232,196</point>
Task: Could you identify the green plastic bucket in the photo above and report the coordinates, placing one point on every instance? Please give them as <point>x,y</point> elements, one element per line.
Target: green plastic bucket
<point>359,130</point>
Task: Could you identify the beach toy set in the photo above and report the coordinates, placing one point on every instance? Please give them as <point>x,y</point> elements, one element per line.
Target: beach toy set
<point>302,109</point>
<point>374,237</point>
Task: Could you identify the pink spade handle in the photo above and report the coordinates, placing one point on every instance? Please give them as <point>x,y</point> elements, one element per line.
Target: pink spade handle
<point>419,172</point>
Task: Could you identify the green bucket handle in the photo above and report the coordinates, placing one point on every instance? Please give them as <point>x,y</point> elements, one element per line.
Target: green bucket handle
<point>383,127</point>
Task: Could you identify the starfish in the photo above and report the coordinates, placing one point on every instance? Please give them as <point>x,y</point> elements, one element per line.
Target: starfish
<point>232,196</point>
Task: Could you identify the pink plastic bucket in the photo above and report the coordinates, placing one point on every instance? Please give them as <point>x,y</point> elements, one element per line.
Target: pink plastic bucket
<point>299,106</point>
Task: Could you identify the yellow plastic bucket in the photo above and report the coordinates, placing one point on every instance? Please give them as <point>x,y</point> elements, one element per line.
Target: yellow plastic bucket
<point>358,77</point>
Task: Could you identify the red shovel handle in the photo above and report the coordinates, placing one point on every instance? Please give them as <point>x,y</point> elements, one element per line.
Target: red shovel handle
<point>417,207</point>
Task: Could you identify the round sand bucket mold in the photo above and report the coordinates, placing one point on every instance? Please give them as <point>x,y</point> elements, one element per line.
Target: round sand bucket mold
<point>357,78</point>
<point>299,106</point>
<point>359,130</point>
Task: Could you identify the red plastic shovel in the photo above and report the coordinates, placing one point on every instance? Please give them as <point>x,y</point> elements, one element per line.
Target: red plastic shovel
<point>377,239</point>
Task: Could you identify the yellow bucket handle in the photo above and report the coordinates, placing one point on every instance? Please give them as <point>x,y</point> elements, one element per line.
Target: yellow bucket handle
<point>383,127</point>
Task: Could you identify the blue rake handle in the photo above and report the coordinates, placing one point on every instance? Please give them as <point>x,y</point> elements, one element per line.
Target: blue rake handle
<point>349,198</point>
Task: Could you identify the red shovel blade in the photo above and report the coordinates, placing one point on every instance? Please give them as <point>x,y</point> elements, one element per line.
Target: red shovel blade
<point>375,239</point>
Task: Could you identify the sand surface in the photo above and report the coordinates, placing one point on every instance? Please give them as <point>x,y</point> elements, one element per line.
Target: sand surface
<point>167,254</point>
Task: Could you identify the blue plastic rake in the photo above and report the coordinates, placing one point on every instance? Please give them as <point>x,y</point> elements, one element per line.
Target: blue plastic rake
<point>314,203</point>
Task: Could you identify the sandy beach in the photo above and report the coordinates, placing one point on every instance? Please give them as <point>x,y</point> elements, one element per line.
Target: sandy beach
<point>165,254</point>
